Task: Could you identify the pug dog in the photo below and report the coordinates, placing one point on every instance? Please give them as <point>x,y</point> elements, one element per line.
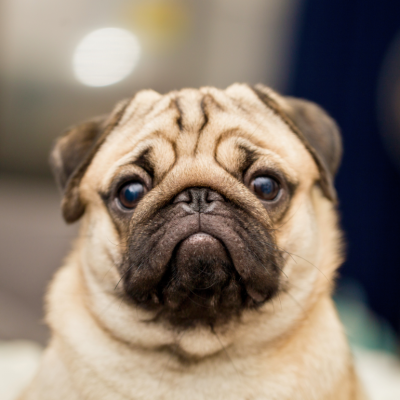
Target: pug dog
<point>207,251</point>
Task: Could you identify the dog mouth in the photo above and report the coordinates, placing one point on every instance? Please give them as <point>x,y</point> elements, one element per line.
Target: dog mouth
<point>201,250</point>
<point>201,266</point>
<point>201,283</point>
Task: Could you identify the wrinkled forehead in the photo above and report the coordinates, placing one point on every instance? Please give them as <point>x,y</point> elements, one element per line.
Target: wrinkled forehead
<point>196,125</point>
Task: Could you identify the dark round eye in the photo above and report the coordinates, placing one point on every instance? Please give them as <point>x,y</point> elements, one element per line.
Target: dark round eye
<point>265,187</point>
<point>130,194</point>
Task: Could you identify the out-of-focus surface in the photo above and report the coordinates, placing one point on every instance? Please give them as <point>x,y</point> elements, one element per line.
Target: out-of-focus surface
<point>183,43</point>
<point>379,373</point>
<point>18,363</point>
<point>33,241</point>
<point>347,60</point>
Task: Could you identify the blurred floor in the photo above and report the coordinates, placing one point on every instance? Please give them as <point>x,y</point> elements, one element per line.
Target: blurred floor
<point>33,241</point>
<point>18,364</point>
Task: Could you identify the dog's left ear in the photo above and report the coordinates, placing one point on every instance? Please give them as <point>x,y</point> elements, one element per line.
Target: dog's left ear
<point>314,127</point>
<point>73,153</point>
<point>320,130</point>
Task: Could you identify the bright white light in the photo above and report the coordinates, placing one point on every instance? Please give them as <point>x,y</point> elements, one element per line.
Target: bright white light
<point>106,56</point>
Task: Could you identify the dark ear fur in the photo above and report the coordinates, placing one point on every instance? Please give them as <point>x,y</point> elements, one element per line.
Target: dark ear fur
<point>71,148</point>
<point>73,153</point>
<point>319,129</point>
<point>314,127</point>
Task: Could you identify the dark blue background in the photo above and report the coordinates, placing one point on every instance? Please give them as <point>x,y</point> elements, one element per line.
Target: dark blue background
<point>340,48</point>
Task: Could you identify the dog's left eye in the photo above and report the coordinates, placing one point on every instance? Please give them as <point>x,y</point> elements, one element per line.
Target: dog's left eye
<point>266,188</point>
<point>130,194</point>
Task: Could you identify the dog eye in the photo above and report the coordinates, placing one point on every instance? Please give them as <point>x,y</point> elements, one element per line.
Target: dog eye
<point>130,194</point>
<point>265,187</point>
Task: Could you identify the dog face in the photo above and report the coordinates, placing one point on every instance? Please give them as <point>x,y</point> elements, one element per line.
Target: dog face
<point>204,206</point>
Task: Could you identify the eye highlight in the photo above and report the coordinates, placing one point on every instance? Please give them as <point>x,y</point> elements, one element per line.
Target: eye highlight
<point>130,194</point>
<point>266,188</point>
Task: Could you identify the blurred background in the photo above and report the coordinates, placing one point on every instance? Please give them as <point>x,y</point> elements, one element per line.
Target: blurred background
<point>64,61</point>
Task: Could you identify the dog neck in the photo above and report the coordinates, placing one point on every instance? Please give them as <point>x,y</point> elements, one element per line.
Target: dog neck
<point>166,365</point>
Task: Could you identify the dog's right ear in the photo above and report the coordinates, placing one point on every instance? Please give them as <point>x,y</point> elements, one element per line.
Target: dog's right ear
<point>70,149</point>
<point>73,153</point>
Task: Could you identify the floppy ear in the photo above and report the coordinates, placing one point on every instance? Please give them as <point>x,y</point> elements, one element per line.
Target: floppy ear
<point>314,127</point>
<point>73,153</point>
<point>319,129</point>
<point>70,149</point>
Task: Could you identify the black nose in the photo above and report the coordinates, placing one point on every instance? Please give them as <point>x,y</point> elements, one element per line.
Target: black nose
<point>198,199</point>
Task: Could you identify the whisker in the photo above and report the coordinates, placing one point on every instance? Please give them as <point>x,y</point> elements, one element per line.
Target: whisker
<point>171,355</point>
<point>292,255</point>
<point>209,287</point>
<point>201,305</point>
<point>224,349</point>
<point>296,301</point>
<point>296,255</point>
<point>280,301</point>
<point>123,276</point>
<point>287,219</point>
<point>117,299</point>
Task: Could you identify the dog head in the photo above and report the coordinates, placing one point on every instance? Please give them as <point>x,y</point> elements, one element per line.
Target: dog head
<point>201,207</point>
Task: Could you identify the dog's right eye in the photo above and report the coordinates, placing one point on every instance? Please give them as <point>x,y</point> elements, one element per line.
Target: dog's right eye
<point>130,194</point>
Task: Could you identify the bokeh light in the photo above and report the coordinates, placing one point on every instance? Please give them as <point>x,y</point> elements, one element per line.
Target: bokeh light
<point>106,56</point>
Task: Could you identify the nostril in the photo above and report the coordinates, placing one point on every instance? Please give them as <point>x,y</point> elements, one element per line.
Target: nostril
<point>198,199</point>
<point>213,196</point>
<point>183,197</point>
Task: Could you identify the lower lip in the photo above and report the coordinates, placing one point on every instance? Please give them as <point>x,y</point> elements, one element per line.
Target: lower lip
<point>201,245</point>
<point>200,238</point>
